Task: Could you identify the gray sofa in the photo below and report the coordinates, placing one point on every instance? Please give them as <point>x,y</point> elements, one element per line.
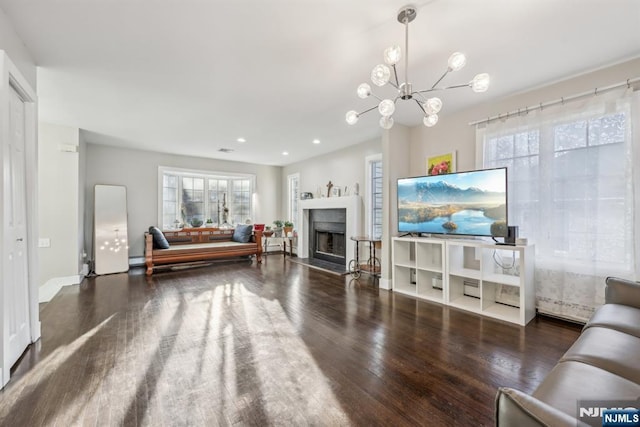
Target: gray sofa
<point>602,367</point>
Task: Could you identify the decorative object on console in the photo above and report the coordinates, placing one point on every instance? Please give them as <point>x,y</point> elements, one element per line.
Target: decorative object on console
<point>381,75</point>
<point>306,195</point>
<point>444,163</point>
<point>356,189</point>
<point>196,222</point>
<point>288,228</point>
<point>329,185</point>
<point>336,192</point>
<point>278,230</point>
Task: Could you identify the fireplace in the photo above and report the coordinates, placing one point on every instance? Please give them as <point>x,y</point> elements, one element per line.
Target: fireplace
<point>327,235</point>
<point>345,210</point>
<point>328,242</point>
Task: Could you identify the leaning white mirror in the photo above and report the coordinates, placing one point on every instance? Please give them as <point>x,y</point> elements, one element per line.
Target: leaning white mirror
<point>110,241</point>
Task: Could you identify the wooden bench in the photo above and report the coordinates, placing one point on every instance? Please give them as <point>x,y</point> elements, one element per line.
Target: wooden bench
<point>195,245</point>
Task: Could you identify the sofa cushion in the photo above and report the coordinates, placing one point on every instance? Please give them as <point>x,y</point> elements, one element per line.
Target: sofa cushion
<point>622,291</point>
<point>159,241</point>
<point>242,233</point>
<point>568,382</point>
<point>515,408</point>
<point>619,317</point>
<point>608,349</point>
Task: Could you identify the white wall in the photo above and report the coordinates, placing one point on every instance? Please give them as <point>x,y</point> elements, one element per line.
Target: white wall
<point>395,164</point>
<point>343,168</point>
<point>138,171</point>
<point>454,133</point>
<point>58,199</point>
<point>17,51</point>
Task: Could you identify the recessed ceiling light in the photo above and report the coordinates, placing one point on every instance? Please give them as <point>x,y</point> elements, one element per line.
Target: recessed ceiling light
<point>241,140</point>
<point>285,153</point>
<point>316,141</point>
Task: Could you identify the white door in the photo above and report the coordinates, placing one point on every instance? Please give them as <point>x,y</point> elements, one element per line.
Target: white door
<point>15,213</point>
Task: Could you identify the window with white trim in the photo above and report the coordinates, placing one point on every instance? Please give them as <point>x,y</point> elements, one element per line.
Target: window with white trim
<point>293,185</point>
<point>374,195</point>
<point>188,195</point>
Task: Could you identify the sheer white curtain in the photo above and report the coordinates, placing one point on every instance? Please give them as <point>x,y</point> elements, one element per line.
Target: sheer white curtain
<point>571,192</point>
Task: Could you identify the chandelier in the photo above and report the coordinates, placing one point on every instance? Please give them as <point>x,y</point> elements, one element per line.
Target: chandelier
<point>382,75</point>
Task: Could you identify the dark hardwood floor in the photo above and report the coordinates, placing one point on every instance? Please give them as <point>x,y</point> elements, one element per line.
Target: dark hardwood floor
<point>275,344</point>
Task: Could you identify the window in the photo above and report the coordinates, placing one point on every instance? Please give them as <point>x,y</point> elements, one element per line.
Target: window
<point>571,192</point>
<point>193,194</point>
<point>293,184</point>
<point>571,178</point>
<point>374,195</point>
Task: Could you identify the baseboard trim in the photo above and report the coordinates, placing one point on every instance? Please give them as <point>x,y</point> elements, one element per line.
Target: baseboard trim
<point>136,261</point>
<point>53,286</point>
<point>384,283</point>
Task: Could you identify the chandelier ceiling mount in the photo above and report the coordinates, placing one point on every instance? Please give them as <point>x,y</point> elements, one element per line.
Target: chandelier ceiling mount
<point>387,73</point>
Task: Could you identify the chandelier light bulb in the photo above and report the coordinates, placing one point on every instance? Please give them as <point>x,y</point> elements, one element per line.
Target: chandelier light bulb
<point>430,120</point>
<point>386,122</point>
<point>392,55</point>
<point>433,105</point>
<point>352,117</point>
<point>386,107</point>
<point>364,90</point>
<point>380,75</point>
<point>480,82</point>
<point>457,60</point>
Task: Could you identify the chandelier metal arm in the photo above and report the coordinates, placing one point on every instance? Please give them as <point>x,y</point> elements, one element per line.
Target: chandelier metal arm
<point>435,89</point>
<point>406,49</point>
<point>421,107</point>
<point>440,79</point>
<point>366,111</point>
<point>457,86</point>
<point>395,74</point>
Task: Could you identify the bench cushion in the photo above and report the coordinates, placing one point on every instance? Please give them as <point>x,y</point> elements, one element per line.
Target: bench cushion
<point>203,247</point>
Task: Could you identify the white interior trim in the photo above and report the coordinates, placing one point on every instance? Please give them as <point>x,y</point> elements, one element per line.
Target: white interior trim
<point>13,78</point>
<point>51,288</point>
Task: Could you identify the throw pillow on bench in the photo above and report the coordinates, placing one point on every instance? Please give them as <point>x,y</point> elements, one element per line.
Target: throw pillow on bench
<point>159,241</point>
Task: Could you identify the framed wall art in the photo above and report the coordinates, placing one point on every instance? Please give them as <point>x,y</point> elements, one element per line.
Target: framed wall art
<point>441,164</point>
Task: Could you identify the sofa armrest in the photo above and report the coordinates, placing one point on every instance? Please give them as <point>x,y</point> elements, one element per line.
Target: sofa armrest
<point>515,408</point>
<point>622,291</point>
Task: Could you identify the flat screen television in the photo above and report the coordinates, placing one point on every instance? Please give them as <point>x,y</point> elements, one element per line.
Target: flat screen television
<point>463,203</point>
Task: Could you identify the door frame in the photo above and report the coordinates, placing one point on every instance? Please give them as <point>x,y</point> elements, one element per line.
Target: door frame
<point>10,77</point>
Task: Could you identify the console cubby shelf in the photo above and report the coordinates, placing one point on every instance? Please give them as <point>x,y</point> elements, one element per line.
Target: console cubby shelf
<point>474,275</point>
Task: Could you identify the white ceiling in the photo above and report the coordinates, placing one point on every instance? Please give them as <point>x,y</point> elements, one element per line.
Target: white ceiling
<point>191,76</point>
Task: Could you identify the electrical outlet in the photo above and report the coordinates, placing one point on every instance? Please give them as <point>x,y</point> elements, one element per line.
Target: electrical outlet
<point>44,242</point>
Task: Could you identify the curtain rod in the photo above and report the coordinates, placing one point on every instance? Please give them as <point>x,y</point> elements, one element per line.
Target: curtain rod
<point>562,100</point>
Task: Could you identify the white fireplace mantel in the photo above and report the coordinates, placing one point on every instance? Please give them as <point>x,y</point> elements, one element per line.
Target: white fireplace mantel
<point>353,206</point>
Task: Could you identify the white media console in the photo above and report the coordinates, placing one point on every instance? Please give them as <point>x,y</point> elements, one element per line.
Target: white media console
<point>474,275</point>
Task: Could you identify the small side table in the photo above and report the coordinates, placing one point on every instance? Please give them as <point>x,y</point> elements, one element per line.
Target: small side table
<point>290,240</point>
<point>372,265</point>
